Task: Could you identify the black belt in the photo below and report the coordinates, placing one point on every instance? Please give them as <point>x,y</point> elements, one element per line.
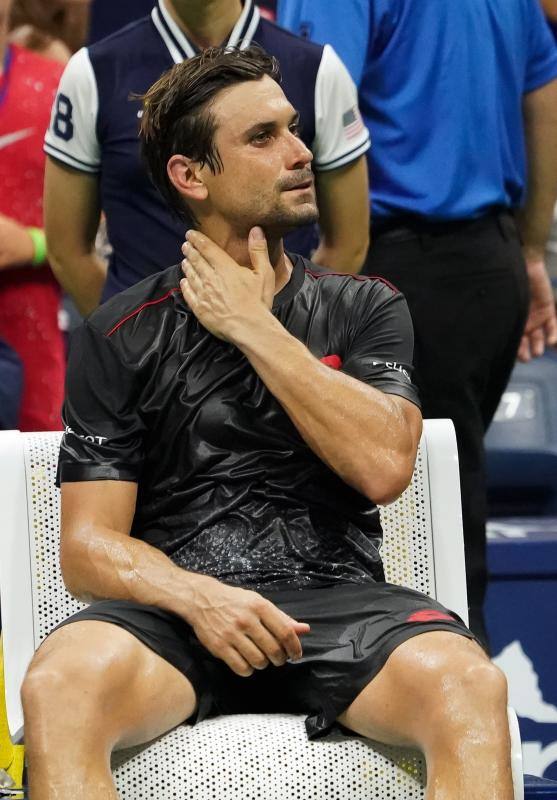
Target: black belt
<point>411,227</point>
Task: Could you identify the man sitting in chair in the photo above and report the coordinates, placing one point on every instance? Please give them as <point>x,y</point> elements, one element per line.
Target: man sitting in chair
<point>228,436</point>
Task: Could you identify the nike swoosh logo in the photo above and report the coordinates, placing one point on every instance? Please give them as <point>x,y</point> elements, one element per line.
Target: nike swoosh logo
<point>16,136</point>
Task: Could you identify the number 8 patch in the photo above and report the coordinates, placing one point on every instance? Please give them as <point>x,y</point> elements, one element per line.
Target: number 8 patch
<point>63,125</point>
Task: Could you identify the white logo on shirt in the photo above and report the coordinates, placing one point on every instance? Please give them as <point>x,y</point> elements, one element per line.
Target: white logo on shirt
<point>11,138</point>
<point>88,437</point>
<point>393,365</point>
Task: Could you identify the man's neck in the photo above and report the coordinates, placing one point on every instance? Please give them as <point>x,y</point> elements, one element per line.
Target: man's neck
<point>237,248</point>
<point>207,23</point>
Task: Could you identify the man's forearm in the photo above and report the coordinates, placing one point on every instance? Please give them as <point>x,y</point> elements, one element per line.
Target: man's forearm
<point>16,245</point>
<point>72,213</point>
<point>103,564</point>
<point>82,277</point>
<point>369,444</point>
<point>540,124</point>
<point>343,200</point>
<point>367,437</point>
<point>343,257</point>
<point>236,625</point>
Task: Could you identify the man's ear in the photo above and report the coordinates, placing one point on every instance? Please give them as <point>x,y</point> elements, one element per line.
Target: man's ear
<point>186,177</point>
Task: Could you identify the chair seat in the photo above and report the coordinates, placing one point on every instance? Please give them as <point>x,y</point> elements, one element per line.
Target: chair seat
<point>266,757</point>
<point>245,757</point>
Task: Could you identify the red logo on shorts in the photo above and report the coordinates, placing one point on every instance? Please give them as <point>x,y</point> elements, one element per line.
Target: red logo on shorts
<point>335,362</point>
<point>429,615</point>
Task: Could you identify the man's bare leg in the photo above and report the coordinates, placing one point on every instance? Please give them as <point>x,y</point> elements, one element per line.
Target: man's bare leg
<point>440,693</point>
<point>93,688</point>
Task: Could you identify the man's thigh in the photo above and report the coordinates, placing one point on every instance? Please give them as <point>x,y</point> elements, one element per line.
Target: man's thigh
<point>99,671</point>
<point>355,628</point>
<point>403,700</point>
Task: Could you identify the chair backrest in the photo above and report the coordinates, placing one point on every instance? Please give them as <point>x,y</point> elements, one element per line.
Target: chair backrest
<point>423,546</point>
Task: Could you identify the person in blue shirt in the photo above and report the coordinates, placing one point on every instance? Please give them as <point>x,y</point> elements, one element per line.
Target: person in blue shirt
<point>461,103</point>
<point>550,9</point>
<point>93,148</point>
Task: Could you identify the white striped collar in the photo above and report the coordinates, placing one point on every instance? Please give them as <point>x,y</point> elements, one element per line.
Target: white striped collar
<point>180,47</point>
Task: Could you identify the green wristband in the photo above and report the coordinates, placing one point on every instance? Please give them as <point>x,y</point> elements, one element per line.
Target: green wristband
<point>39,243</point>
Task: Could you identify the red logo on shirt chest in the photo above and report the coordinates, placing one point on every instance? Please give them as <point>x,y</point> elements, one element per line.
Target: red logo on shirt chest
<point>429,615</point>
<point>335,362</point>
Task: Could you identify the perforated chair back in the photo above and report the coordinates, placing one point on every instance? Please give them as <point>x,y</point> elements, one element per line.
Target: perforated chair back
<point>243,756</point>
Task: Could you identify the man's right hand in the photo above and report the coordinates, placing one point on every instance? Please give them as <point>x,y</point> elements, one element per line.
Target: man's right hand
<point>541,326</point>
<point>242,628</point>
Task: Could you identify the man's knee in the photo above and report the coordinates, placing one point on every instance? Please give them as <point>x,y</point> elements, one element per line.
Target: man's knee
<point>473,684</point>
<point>460,689</point>
<point>72,674</point>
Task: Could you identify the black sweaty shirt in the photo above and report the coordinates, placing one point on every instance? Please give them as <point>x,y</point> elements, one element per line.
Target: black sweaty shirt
<point>226,485</point>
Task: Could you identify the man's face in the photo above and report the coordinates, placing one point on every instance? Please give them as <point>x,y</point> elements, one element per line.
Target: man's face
<point>266,178</point>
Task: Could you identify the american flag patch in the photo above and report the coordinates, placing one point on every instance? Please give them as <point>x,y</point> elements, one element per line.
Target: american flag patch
<point>352,122</point>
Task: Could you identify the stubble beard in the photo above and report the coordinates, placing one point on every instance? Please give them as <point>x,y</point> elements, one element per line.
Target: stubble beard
<point>270,211</point>
<point>279,219</point>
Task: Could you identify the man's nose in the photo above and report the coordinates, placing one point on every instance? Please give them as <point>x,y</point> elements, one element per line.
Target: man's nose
<point>298,155</point>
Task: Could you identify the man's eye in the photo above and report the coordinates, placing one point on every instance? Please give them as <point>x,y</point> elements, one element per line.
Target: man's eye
<point>296,129</point>
<point>261,138</point>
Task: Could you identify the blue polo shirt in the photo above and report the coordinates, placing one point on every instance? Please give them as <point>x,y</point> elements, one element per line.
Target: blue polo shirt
<point>440,85</point>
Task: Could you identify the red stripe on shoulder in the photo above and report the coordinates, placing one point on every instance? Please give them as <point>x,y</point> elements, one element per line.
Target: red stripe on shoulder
<point>141,307</point>
<point>395,289</point>
<point>356,278</point>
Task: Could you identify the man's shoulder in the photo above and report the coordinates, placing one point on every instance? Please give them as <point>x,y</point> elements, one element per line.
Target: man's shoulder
<point>326,281</point>
<point>128,311</point>
<point>116,43</point>
<point>134,47</point>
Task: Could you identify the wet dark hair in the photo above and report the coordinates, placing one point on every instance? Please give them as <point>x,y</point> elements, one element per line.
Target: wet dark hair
<point>177,116</point>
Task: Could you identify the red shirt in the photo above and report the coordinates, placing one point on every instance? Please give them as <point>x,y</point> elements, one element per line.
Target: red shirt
<point>30,298</point>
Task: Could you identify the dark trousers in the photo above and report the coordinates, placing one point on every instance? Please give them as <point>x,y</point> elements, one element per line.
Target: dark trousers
<point>466,287</point>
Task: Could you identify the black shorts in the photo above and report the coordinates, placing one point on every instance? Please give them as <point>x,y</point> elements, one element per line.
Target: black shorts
<point>354,629</point>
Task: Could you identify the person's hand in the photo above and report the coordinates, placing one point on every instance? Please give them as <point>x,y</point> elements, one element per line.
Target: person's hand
<point>16,245</point>
<point>541,326</point>
<point>242,628</point>
<point>222,294</point>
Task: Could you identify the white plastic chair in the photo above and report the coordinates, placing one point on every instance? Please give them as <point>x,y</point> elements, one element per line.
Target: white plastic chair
<point>240,757</point>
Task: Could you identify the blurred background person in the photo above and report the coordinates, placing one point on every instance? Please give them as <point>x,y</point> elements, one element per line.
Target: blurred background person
<point>29,293</point>
<point>11,387</point>
<point>268,9</point>
<point>54,28</point>
<point>550,8</point>
<point>94,160</point>
<point>461,104</point>
<point>108,16</point>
